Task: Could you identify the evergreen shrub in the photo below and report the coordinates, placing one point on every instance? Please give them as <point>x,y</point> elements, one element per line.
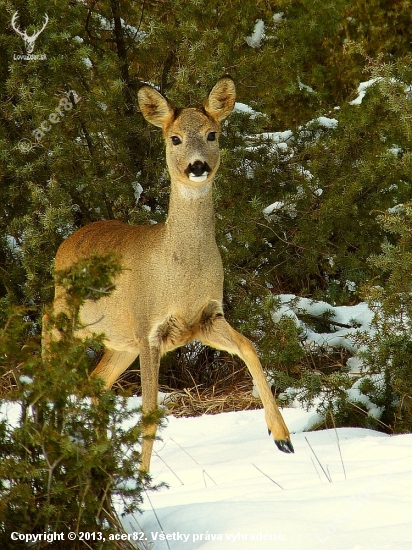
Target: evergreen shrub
<point>69,450</point>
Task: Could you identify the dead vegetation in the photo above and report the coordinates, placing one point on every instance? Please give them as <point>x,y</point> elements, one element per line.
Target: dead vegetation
<point>9,381</point>
<point>197,401</point>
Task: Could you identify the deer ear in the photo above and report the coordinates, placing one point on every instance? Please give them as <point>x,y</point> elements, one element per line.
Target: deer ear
<point>221,100</point>
<point>155,108</point>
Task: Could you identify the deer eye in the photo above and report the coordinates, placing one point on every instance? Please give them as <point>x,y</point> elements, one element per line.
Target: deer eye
<point>176,140</point>
<point>211,136</point>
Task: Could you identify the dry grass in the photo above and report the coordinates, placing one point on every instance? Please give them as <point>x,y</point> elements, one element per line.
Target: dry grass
<point>9,381</point>
<point>200,380</point>
<point>197,401</point>
<point>232,391</point>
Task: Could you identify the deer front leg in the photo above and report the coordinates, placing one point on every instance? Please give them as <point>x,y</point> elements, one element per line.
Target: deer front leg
<point>49,334</point>
<point>149,373</point>
<point>220,335</point>
<point>113,364</point>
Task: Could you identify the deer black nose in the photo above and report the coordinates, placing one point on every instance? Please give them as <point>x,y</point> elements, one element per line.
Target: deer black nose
<point>198,168</point>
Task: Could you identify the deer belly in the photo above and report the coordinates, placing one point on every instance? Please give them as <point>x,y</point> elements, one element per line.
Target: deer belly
<point>180,328</point>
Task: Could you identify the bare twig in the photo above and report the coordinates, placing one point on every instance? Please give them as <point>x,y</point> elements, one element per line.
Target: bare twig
<point>81,507</point>
<point>272,480</point>
<point>196,462</point>
<point>167,466</point>
<point>51,470</point>
<point>156,516</point>
<point>323,469</point>
<point>316,470</point>
<point>366,414</point>
<point>337,439</point>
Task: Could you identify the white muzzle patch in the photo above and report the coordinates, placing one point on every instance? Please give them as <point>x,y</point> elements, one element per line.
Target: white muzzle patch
<point>198,179</point>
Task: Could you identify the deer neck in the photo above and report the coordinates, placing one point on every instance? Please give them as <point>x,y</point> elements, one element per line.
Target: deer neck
<point>191,214</point>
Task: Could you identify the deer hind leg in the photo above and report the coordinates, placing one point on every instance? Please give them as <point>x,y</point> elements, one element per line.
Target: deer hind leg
<point>218,334</point>
<point>113,364</point>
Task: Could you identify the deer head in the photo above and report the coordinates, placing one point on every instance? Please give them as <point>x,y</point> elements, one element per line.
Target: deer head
<point>191,134</point>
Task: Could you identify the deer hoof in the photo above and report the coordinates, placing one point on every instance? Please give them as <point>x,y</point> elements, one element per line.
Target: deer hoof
<point>285,445</point>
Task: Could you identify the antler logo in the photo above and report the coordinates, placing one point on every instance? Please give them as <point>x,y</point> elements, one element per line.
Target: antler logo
<point>29,40</point>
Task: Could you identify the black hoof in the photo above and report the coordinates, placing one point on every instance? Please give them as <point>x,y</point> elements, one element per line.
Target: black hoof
<point>284,445</point>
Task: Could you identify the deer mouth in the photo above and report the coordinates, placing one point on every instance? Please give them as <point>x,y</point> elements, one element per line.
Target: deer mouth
<point>200,178</point>
<point>198,171</point>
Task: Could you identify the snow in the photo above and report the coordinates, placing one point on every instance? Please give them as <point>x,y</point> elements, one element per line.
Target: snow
<point>363,86</point>
<point>305,173</point>
<point>229,487</point>
<point>10,412</point>
<point>12,244</point>
<point>277,137</point>
<point>243,108</point>
<point>354,364</point>
<point>305,87</point>
<point>356,319</point>
<point>275,142</point>
<point>395,150</point>
<point>257,36</point>
<point>137,188</point>
<point>355,394</point>
<point>327,122</point>
<point>278,205</point>
<point>25,379</point>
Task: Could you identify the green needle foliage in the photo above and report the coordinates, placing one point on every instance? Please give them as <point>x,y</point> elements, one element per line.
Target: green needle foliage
<point>389,348</point>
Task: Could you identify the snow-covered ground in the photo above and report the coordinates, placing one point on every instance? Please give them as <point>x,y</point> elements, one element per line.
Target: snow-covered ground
<point>229,487</point>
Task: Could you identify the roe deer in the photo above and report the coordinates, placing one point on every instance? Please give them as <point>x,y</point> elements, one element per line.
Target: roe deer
<point>170,291</point>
